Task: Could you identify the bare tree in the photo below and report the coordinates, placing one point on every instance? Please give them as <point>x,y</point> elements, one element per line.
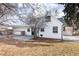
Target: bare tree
<point>5,9</point>
<point>36,17</point>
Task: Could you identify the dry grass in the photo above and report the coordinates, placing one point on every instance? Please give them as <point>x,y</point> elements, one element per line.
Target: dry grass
<point>38,48</point>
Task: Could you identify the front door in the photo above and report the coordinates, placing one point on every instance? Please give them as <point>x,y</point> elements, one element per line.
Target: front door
<point>22,33</point>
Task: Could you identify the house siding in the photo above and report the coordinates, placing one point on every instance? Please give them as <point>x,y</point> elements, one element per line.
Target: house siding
<point>48,33</point>
<point>17,31</point>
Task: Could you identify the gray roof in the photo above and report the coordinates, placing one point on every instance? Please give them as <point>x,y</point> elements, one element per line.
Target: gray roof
<point>62,20</point>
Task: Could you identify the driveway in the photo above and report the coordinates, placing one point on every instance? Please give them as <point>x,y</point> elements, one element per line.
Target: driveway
<point>71,38</point>
<point>19,37</point>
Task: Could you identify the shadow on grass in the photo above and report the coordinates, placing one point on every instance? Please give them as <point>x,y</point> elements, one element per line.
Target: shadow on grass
<point>30,43</point>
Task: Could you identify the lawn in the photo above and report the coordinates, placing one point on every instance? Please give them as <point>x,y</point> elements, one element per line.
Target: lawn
<point>35,48</point>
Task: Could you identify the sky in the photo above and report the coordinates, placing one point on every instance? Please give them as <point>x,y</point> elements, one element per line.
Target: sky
<point>59,7</point>
<point>48,6</point>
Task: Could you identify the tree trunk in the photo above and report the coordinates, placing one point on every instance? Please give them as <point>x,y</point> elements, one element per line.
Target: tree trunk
<point>74,25</point>
<point>36,32</point>
<point>8,35</point>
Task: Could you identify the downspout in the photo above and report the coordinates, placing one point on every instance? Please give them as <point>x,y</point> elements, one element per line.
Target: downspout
<point>62,32</point>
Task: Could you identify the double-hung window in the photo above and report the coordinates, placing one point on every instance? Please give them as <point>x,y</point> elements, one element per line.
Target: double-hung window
<point>42,29</point>
<point>55,29</point>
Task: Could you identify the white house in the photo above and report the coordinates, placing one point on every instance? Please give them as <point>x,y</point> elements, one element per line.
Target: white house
<point>53,29</point>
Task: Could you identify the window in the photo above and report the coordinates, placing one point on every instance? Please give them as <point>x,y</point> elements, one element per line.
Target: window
<point>42,29</point>
<point>55,29</point>
<point>48,18</point>
<point>28,30</point>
